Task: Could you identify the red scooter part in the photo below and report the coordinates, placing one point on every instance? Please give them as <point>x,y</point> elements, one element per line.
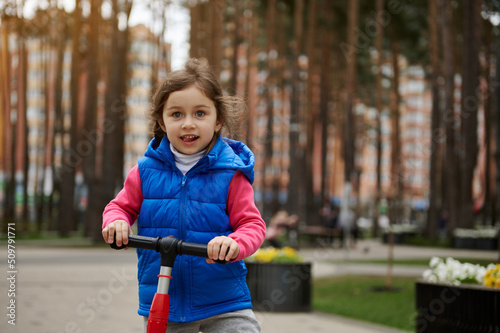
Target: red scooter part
<point>169,248</point>
<point>158,315</point>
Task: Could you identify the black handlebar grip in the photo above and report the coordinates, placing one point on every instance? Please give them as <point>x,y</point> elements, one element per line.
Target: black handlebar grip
<point>192,249</point>
<point>141,242</point>
<point>195,249</point>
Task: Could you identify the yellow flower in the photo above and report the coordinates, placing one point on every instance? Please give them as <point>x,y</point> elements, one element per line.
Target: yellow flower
<point>266,255</point>
<point>492,277</point>
<point>272,254</point>
<point>289,252</point>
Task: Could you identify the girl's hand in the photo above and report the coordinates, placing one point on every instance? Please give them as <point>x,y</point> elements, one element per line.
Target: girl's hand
<point>222,248</point>
<point>119,228</point>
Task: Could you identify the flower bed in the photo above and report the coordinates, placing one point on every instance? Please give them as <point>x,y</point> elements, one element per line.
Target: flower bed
<point>479,238</point>
<point>279,281</point>
<point>458,297</point>
<point>456,308</point>
<point>401,233</point>
<point>454,272</point>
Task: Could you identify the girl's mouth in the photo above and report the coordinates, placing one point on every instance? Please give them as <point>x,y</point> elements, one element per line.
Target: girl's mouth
<point>189,138</point>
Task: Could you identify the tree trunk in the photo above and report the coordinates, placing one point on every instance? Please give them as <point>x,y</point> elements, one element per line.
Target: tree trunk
<point>294,186</point>
<point>22,127</point>
<point>349,127</point>
<point>269,88</point>
<point>251,68</point>
<point>379,7</point>
<point>488,206</point>
<point>91,135</point>
<point>312,109</point>
<point>59,42</point>
<point>194,38</point>
<point>469,108</point>
<point>216,9</point>
<point>397,176</point>
<point>325,95</point>
<point>8,146</point>
<point>114,108</point>
<point>397,172</point>
<point>237,18</point>
<point>496,112</point>
<point>435,172</point>
<point>451,161</point>
<point>3,107</point>
<point>71,159</point>
<point>115,112</point>
<point>349,136</point>
<point>45,135</point>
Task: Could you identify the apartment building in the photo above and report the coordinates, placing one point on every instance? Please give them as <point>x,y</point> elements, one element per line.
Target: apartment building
<point>144,58</point>
<point>35,130</point>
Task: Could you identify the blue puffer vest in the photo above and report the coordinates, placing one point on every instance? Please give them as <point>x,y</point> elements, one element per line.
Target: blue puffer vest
<point>191,207</point>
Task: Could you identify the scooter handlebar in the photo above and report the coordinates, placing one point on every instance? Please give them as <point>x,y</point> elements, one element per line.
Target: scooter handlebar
<point>140,242</point>
<point>152,243</point>
<point>192,249</point>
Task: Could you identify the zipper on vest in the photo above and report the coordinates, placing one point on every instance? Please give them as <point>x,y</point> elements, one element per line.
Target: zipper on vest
<point>182,212</point>
<point>182,221</point>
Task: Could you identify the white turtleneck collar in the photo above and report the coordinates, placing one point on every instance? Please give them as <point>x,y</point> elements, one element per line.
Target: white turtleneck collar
<point>185,162</point>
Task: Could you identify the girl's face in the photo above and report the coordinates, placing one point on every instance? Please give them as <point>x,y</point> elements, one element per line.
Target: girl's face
<point>189,120</point>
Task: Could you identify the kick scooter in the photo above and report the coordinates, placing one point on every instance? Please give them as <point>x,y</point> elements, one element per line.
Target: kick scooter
<point>169,248</point>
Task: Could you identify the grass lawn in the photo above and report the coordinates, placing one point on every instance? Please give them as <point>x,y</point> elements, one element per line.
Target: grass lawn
<point>415,262</point>
<point>355,297</point>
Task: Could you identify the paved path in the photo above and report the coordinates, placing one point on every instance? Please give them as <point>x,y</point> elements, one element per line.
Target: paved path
<point>61,290</point>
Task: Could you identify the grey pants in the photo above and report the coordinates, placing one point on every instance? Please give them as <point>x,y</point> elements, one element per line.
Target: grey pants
<point>230,322</point>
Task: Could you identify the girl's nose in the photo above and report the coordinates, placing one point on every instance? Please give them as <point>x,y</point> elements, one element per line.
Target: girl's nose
<point>188,122</point>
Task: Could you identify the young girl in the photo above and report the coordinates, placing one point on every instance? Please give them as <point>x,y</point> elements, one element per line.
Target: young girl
<point>195,185</point>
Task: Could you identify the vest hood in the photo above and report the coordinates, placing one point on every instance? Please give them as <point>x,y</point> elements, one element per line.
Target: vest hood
<point>225,154</point>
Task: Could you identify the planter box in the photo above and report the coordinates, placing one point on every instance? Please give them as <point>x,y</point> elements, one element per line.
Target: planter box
<point>466,308</point>
<point>399,237</point>
<point>280,287</point>
<point>487,243</point>
<point>475,243</point>
<point>464,243</point>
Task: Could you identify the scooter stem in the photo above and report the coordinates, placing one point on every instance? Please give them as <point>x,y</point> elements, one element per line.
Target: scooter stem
<point>164,280</point>
<point>158,315</point>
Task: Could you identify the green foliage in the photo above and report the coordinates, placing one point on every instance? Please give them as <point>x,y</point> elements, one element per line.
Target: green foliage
<point>421,240</point>
<point>364,298</point>
<point>416,261</point>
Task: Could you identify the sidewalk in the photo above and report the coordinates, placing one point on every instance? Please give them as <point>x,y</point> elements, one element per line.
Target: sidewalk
<point>317,323</point>
<point>336,261</point>
<point>331,262</point>
<point>60,290</point>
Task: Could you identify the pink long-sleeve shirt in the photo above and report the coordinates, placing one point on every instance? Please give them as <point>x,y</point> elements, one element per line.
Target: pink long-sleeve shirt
<point>249,229</point>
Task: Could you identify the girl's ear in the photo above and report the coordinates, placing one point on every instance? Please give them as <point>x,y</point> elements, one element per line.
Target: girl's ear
<point>162,125</point>
<point>218,126</point>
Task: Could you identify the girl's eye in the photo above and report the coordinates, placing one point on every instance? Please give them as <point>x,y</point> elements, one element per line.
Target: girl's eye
<point>200,113</point>
<point>176,114</point>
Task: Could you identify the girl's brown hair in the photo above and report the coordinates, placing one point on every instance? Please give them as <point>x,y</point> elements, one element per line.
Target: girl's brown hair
<point>231,111</point>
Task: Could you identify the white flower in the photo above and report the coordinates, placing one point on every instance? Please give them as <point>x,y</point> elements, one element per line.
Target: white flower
<point>427,274</point>
<point>454,272</point>
<point>433,279</point>
<point>435,261</point>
